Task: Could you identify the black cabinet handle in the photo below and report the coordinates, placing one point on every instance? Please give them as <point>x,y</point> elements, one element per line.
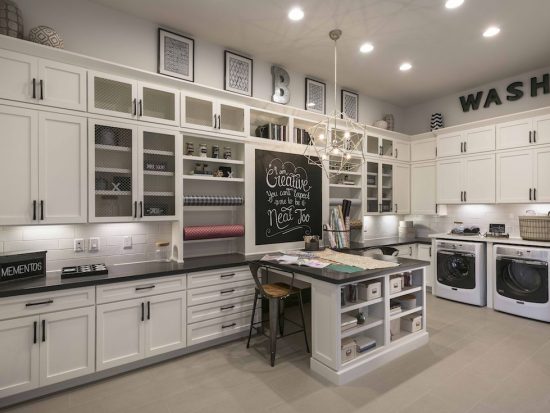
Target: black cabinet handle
<point>142,311</point>
<point>33,88</point>
<point>227,307</point>
<point>219,121</point>
<point>534,194</point>
<point>134,104</point>
<point>461,147</point>
<point>39,303</point>
<point>465,200</point>
<point>41,89</point>
<point>396,153</point>
<point>215,122</point>
<point>530,136</point>
<point>135,209</point>
<point>35,326</point>
<point>380,150</point>
<point>530,194</point>
<point>534,136</point>
<point>148,310</point>
<point>465,147</point>
<point>43,330</point>
<point>380,208</point>
<point>141,107</point>
<point>430,253</point>
<point>461,196</point>
<point>229,325</point>
<point>229,275</point>
<point>34,210</point>
<point>227,291</point>
<point>141,209</point>
<point>41,210</point>
<point>149,287</point>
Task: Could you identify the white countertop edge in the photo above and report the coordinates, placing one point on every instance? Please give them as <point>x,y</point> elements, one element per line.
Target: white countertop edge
<point>489,240</point>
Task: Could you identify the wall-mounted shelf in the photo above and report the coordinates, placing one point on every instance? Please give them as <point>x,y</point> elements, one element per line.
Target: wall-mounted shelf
<point>157,152</point>
<point>211,178</point>
<point>345,186</point>
<point>212,160</point>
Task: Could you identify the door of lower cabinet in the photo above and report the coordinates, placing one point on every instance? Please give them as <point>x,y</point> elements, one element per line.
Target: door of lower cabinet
<point>166,323</point>
<point>542,175</point>
<point>67,345</point>
<point>158,104</point>
<point>514,176</point>
<point>120,333</point>
<point>112,95</point>
<point>479,179</point>
<point>62,164</point>
<point>449,181</point>
<point>112,178</point>
<point>423,189</point>
<point>157,176</point>
<point>61,85</point>
<point>402,189</point>
<point>424,253</point>
<point>18,77</point>
<point>19,358</point>
<point>18,166</point>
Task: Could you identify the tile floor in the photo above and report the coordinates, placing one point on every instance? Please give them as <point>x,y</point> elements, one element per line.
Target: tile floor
<point>477,361</point>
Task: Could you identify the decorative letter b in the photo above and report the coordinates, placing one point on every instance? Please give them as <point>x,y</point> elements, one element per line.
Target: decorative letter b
<point>281,80</point>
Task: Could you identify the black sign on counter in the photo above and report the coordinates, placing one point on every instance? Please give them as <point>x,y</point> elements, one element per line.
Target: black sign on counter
<point>289,193</point>
<point>21,266</point>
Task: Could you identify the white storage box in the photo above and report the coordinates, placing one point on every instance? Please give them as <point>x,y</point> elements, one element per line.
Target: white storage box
<point>370,291</point>
<point>348,322</point>
<point>412,323</point>
<point>348,349</point>
<point>396,284</point>
<point>407,302</point>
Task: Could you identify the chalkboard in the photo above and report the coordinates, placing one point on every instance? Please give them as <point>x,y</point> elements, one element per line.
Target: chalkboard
<point>289,193</point>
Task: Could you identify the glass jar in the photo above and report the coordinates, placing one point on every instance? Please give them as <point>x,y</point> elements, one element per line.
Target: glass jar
<point>227,152</point>
<point>203,150</point>
<point>190,149</point>
<point>162,253</point>
<point>215,151</point>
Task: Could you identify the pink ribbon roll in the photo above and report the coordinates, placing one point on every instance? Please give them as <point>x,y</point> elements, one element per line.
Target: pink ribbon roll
<point>213,231</point>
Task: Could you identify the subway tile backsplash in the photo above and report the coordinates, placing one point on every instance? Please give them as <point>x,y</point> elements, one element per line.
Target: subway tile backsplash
<point>58,240</point>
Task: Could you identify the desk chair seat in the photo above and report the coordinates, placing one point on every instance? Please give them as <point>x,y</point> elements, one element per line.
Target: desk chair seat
<point>276,293</point>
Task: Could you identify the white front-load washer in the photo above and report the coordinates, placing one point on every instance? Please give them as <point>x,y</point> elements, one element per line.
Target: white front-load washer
<point>521,284</point>
<point>461,272</point>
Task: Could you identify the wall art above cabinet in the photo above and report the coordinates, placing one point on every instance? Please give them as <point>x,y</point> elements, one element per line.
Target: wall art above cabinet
<point>130,99</point>
<point>29,79</point>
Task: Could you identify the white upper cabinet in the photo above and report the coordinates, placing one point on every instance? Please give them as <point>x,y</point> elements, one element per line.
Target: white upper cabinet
<point>379,146</point>
<point>515,134</point>
<point>130,99</point>
<point>402,189</point>
<point>541,184</point>
<point>423,150</point>
<point>449,181</point>
<point>402,151</point>
<point>29,79</point>
<point>423,189</point>
<point>466,142</point>
<point>541,130</point>
<point>514,176</point>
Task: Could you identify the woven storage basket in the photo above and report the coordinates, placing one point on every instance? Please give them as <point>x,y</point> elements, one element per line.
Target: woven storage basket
<point>535,228</point>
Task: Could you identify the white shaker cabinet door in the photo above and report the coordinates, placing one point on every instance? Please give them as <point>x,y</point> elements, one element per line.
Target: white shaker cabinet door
<point>541,130</point>
<point>479,140</point>
<point>423,189</point>
<point>63,165</point>
<point>451,144</point>
<point>542,175</point>
<point>67,345</point>
<point>61,85</point>
<point>514,134</point>
<point>18,166</point>
<point>19,356</point>
<point>18,77</point>
<point>449,181</point>
<point>423,150</point>
<point>514,176</point>
<point>402,189</point>
<point>402,151</point>
<point>479,176</point>
<point>166,323</point>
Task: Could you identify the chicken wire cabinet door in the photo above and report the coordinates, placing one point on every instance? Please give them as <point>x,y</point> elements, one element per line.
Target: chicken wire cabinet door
<point>113,172</point>
<point>112,95</point>
<point>159,105</point>
<point>157,177</point>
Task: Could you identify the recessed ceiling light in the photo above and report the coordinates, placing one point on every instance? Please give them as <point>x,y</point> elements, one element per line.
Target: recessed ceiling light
<point>296,14</point>
<point>491,31</point>
<point>453,4</point>
<point>405,67</point>
<point>366,48</point>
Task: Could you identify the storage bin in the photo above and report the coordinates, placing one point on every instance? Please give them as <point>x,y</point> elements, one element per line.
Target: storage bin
<point>535,228</point>
<point>407,302</point>
<point>411,323</point>
<point>396,284</point>
<point>348,349</point>
<point>395,327</point>
<point>370,291</point>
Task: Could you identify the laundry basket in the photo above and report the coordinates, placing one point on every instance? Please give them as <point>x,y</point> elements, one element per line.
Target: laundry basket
<point>535,228</point>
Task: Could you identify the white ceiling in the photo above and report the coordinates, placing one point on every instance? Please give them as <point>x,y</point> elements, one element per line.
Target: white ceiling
<point>446,47</point>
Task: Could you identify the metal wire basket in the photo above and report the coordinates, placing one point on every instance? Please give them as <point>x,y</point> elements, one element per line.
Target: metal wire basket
<point>535,228</point>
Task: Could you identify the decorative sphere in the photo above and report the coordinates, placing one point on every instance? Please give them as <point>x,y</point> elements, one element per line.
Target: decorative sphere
<point>11,20</point>
<point>47,36</point>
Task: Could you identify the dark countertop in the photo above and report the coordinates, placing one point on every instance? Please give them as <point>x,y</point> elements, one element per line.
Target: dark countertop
<point>338,277</point>
<point>386,242</point>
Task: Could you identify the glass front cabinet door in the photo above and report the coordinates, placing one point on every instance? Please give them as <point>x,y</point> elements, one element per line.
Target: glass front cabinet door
<point>379,188</point>
<point>379,146</point>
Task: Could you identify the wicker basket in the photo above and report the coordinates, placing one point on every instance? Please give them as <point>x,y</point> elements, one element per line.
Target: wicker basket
<point>535,228</point>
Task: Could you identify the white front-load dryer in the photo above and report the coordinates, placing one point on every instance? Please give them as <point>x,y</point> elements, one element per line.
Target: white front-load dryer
<point>521,281</point>
<point>461,272</point>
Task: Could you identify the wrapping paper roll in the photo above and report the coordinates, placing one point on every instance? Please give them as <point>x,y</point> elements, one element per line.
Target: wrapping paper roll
<point>213,231</point>
<point>212,200</point>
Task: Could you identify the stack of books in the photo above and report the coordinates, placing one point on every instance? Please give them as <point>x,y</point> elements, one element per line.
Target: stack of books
<point>338,229</point>
<point>301,136</point>
<point>272,131</point>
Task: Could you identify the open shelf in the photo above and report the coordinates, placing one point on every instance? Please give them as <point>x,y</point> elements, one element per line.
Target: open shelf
<point>210,208</point>
<point>211,178</point>
<point>360,305</point>
<point>403,334</point>
<point>157,152</point>
<point>345,172</point>
<point>338,201</point>
<point>405,291</point>
<point>370,322</point>
<point>345,186</point>
<point>405,313</point>
<point>113,148</point>
<point>212,160</point>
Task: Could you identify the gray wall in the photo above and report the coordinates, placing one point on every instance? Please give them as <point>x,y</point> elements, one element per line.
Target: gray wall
<point>94,30</point>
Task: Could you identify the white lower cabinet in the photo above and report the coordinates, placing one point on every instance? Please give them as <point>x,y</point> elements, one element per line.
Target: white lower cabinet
<point>166,320</point>
<point>424,253</point>
<point>218,327</point>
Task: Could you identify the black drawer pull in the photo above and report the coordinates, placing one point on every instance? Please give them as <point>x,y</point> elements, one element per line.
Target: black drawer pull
<point>227,275</point>
<point>34,210</point>
<point>41,210</point>
<point>149,287</point>
<point>227,307</point>
<point>41,89</point>
<point>229,325</point>
<point>148,310</point>
<point>33,88</point>
<point>43,330</point>
<point>227,291</point>
<point>39,303</point>
<point>142,311</point>
<point>35,326</point>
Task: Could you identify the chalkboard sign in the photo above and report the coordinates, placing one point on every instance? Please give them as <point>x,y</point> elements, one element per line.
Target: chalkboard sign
<point>289,192</point>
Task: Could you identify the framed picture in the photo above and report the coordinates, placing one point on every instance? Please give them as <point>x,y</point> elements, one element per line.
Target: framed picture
<point>315,96</point>
<point>176,55</point>
<point>238,73</point>
<point>350,105</point>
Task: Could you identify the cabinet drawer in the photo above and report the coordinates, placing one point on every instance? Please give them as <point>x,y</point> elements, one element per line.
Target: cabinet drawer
<point>218,327</point>
<point>142,288</point>
<point>25,305</point>
<point>220,276</point>
<point>408,250</point>
<point>219,292</point>
<point>219,308</point>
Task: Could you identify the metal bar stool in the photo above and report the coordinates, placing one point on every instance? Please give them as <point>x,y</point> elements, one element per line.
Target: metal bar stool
<point>276,293</point>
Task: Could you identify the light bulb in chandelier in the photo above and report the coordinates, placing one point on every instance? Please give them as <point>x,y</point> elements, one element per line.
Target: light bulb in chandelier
<point>321,136</point>
<point>335,151</point>
<point>348,155</point>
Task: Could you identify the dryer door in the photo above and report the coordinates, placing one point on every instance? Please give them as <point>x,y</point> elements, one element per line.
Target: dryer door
<point>456,269</point>
<point>522,280</point>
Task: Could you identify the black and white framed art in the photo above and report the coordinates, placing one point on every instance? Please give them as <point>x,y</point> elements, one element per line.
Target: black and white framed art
<point>238,73</point>
<point>315,96</point>
<point>350,105</point>
<point>176,55</point>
